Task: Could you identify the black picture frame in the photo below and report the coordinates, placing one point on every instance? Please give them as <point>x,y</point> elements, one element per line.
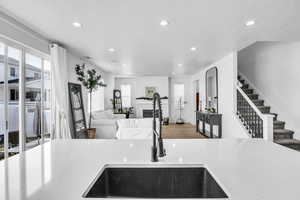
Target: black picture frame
<point>217,87</point>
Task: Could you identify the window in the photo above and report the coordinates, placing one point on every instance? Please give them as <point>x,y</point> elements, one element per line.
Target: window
<point>13,72</point>
<point>36,75</point>
<point>126,95</point>
<point>179,95</point>
<point>98,99</point>
<point>47,99</point>
<point>33,99</point>
<point>14,62</point>
<point>14,95</point>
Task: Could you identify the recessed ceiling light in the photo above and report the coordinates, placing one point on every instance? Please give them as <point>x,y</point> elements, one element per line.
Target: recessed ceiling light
<point>124,65</point>
<point>173,73</point>
<point>164,23</point>
<point>111,50</point>
<point>76,24</point>
<point>250,23</point>
<point>180,65</point>
<point>193,48</point>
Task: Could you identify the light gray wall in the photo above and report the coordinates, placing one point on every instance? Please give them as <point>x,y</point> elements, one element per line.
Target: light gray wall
<point>227,73</point>
<point>274,69</point>
<point>165,86</point>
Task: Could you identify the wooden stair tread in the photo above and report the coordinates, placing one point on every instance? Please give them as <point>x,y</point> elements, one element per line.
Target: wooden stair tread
<point>278,122</point>
<point>259,100</point>
<point>263,106</point>
<point>283,131</point>
<point>273,114</point>
<point>287,141</point>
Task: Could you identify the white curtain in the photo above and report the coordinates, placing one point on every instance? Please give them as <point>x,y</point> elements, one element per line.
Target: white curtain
<point>60,107</point>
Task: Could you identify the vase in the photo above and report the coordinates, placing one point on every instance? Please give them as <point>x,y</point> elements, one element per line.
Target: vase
<point>91,133</point>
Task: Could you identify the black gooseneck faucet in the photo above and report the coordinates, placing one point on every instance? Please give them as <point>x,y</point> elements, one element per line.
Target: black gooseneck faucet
<point>157,137</point>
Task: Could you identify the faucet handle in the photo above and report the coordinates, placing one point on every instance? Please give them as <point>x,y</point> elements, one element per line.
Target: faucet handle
<point>162,150</point>
<point>162,153</point>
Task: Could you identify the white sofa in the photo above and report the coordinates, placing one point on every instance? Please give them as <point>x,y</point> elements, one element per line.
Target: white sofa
<point>134,128</point>
<point>105,123</point>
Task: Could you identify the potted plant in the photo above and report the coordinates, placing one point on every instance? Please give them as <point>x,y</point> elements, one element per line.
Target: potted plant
<point>91,80</point>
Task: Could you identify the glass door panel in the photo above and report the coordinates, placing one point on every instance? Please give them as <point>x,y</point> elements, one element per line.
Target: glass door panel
<point>33,86</point>
<point>2,101</point>
<point>47,99</point>
<point>179,101</point>
<point>14,64</point>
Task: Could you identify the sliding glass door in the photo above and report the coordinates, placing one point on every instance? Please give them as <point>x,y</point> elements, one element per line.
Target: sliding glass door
<point>25,99</point>
<point>3,131</point>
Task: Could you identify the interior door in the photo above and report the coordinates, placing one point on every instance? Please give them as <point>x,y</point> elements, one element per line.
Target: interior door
<point>179,101</point>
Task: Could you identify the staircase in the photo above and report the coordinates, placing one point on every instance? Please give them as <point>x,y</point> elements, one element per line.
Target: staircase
<point>281,135</point>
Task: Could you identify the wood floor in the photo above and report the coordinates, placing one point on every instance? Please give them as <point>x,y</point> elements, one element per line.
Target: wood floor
<point>177,131</point>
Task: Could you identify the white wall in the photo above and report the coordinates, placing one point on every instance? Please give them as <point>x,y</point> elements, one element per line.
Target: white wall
<point>227,73</point>
<point>160,82</point>
<point>138,85</point>
<point>165,87</point>
<point>108,90</point>
<point>108,79</point>
<point>274,68</point>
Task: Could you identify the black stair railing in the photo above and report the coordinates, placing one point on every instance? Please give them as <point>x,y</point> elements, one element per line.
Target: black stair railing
<point>248,115</point>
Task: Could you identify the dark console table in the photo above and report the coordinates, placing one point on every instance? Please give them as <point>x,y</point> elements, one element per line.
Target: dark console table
<point>211,119</point>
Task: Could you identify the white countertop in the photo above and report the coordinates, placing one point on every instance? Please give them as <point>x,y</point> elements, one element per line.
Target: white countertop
<point>62,170</point>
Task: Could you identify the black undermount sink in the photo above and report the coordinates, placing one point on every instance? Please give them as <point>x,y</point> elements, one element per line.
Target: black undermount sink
<point>155,182</point>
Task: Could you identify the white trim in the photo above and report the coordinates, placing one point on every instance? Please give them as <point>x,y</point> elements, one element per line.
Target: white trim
<point>42,102</point>
<point>6,101</point>
<point>268,128</point>
<point>267,118</point>
<point>19,45</point>
<point>21,26</point>
<point>260,114</point>
<point>22,128</point>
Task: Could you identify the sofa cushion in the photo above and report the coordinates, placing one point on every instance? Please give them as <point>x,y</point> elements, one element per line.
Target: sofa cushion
<point>134,133</point>
<point>126,123</point>
<point>104,122</point>
<point>135,123</point>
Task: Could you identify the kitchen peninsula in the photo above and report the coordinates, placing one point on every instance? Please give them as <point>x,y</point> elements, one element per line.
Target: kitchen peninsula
<point>63,169</point>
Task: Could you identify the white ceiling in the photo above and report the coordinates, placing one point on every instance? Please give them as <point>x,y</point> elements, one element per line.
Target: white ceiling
<point>215,27</point>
